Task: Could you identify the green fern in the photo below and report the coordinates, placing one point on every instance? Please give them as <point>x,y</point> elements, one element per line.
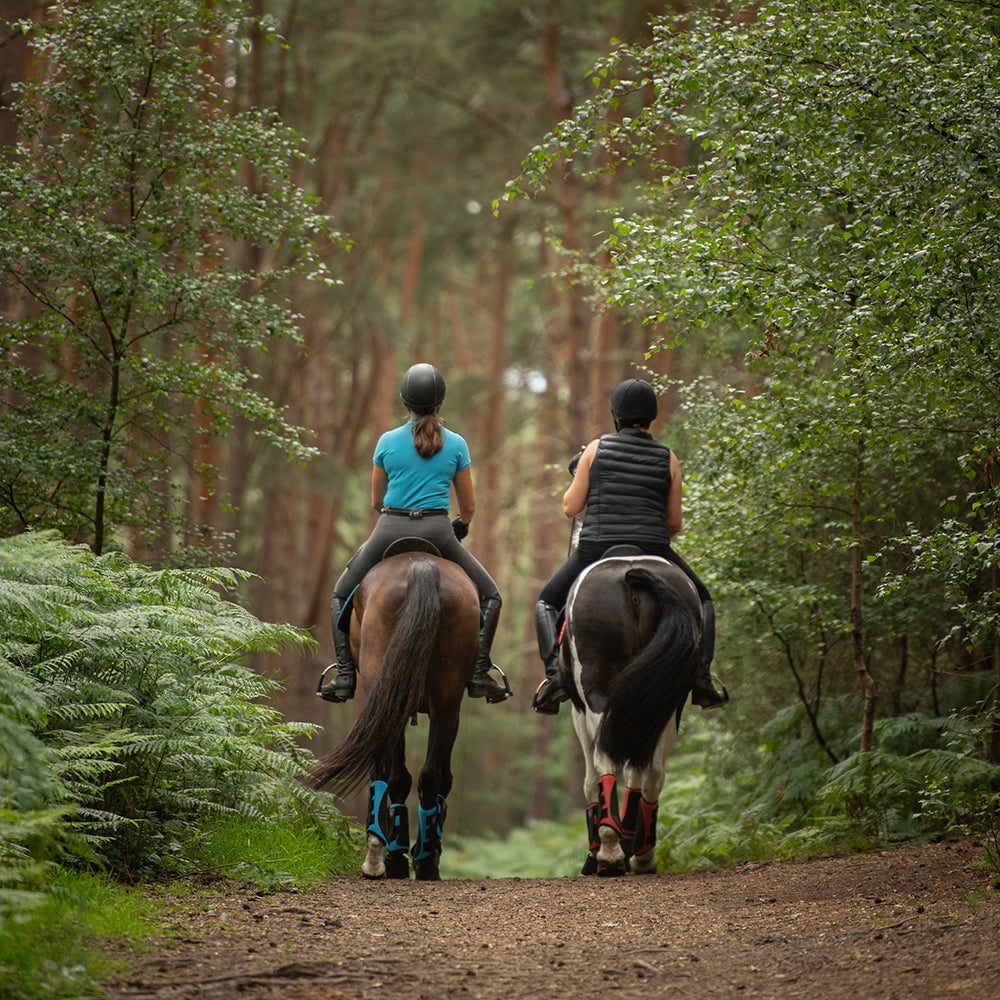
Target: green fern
<point>128,687</point>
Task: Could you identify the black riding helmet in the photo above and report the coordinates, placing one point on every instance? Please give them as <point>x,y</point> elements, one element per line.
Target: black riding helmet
<point>633,402</point>
<point>422,390</point>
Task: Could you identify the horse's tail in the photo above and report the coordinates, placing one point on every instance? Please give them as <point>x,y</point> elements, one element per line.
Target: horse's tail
<point>655,682</point>
<point>398,690</point>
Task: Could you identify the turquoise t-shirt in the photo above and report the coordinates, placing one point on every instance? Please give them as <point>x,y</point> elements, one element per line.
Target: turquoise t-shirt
<point>418,483</point>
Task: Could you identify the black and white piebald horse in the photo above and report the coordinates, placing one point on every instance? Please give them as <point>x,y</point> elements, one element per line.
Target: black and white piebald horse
<point>628,658</point>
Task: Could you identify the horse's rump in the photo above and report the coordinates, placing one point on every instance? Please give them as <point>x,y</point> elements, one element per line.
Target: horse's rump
<point>634,625</point>
<point>414,634</point>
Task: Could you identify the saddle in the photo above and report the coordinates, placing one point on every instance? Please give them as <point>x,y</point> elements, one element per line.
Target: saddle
<point>622,550</point>
<point>409,543</point>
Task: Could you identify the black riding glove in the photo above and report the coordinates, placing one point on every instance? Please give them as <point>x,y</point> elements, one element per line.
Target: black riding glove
<point>460,528</point>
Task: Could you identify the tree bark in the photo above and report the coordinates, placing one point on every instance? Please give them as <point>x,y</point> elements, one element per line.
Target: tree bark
<point>866,682</point>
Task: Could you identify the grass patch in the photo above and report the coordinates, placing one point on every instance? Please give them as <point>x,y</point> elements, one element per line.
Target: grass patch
<point>57,947</point>
<point>50,950</point>
<point>278,854</point>
<point>540,850</point>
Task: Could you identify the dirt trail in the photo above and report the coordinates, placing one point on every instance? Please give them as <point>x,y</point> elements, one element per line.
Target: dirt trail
<point>916,922</point>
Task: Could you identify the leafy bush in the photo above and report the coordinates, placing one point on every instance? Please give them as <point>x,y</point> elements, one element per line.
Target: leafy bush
<point>927,779</point>
<point>538,850</point>
<point>133,739</point>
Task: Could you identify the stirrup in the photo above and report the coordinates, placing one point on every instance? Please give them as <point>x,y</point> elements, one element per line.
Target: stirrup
<point>334,691</point>
<point>707,697</point>
<point>549,695</point>
<point>491,690</point>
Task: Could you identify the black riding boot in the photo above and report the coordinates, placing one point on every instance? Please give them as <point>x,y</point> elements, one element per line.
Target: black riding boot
<point>480,684</point>
<point>342,687</point>
<point>703,693</point>
<point>551,691</point>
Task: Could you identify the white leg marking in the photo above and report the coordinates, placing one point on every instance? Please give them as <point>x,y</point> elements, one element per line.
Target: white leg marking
<point>610,854</point>
<point>374,866</point>
<point>643,864</point>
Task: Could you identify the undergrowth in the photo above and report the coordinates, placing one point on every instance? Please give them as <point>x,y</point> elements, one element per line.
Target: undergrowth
<point>59,945</point>
<point>48,949</point>
<point>136,745</point>
<point>723,804</point>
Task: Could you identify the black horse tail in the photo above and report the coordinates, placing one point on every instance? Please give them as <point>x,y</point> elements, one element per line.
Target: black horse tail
<point>654,683</point>
<point>398,691</point>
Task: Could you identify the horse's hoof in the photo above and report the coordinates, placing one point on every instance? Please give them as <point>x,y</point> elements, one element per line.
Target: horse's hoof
<point>613,870</point>
<point>397,866</point>
<point>426,871</point>
<point>643,864</point>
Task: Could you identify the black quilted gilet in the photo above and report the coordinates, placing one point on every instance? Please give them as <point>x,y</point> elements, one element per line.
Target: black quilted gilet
<point>627,499</point>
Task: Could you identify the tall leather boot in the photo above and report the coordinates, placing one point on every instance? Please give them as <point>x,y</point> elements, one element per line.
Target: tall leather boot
<point>343,686</point>
<point>480,684</point>
<point>703,693</point>
<point>551,691</point>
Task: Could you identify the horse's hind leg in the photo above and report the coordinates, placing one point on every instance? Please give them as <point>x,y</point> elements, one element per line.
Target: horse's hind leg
<point>610,855</point>
<point>375,826</point>
<point>433,787</point>
<point>397,860</point>
<point>586,740</point>
<point>643,796</point>
<point>388,837</point>
<point>606,856</point>
<point>639,827</point>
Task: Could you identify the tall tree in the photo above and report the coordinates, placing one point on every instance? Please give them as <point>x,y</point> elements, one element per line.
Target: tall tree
<point>417,117</point>
<point>123,200</point>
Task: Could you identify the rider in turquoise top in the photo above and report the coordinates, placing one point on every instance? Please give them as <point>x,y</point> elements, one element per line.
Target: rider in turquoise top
<point>414,469</point>
<point>418,482</point>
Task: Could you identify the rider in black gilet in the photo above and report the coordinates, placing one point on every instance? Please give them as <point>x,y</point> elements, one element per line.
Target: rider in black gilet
<point>629,485</point>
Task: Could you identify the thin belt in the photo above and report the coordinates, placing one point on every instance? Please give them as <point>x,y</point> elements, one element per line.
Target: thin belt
<point>428,512</point>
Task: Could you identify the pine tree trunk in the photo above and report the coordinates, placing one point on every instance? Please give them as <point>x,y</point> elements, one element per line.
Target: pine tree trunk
<point>865,680</point>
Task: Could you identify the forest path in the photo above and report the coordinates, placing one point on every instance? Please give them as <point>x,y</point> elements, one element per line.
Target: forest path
<point>914,922</point>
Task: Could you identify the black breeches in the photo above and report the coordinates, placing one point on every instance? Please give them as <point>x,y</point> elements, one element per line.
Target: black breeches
<point>436,529</point>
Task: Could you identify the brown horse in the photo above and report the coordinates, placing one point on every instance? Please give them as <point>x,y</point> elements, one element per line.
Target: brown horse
<point>415,635</point>
<point>633,632</point>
